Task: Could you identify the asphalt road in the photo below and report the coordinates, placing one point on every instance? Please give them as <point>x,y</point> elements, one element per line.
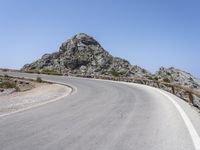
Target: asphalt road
<point>102,115</point>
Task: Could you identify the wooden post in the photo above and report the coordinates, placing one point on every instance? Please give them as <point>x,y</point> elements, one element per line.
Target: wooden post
<point>191,98</point>
<point>173,89</point>
<point>158,84</point>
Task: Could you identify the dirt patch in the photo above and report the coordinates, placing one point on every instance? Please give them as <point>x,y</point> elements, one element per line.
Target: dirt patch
<point>8,85</point>
<point>42,93</point>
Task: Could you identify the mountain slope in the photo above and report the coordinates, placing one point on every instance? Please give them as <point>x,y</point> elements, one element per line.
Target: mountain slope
<point>83,55</point>
<point>178,76</point>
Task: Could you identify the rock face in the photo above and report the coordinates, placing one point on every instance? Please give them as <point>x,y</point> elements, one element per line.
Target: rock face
<point>83,55</point>
<point>179,77</point>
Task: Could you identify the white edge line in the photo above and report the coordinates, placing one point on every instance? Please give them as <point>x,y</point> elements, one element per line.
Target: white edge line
<point>192,131</point>
<point>194,135</point>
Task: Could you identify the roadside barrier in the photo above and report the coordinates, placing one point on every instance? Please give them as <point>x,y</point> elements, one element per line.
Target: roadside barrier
<point>185,93</point>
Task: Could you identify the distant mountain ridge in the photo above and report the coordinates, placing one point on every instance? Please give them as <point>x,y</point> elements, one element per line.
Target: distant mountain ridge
<point>83,55</point>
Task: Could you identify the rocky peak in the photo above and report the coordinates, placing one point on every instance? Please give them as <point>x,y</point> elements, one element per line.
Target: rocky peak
<point>80,40</point>
<point>82,54</point>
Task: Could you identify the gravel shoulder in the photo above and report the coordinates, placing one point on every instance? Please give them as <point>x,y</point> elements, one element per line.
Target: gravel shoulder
<point>42,94</point>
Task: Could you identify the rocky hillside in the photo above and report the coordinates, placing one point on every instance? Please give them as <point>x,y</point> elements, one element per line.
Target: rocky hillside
<point>83,55</point>
<point>177,76</point>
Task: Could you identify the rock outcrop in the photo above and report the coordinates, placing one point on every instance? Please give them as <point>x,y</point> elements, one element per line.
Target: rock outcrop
<point>83,55</point>
<point>183,79</point>
<point>179,77</point>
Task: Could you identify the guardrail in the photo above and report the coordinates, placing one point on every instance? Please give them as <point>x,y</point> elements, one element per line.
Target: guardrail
<point>185,93</point>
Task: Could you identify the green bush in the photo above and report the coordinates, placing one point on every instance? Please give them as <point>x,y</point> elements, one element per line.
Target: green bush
<point>45,71</point>
<point>115,74</point>
<point>156,78</point>
<point>6,76</point>
<point>149,77</point>
<point>50,72</point>
<point>7,85</point>
<point>5,70</point>
<point>168,73</point>
<point>32,71</point>
<point>143,71</point>
<point>39,79</point>
<point>166,80</point>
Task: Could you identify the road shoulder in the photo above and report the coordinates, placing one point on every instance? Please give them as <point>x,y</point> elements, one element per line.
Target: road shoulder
<point>42,94</point>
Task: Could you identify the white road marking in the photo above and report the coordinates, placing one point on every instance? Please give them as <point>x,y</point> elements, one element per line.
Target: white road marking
<point>194,135</point>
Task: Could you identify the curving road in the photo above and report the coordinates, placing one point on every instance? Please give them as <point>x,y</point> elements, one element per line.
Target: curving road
<point>103,115</point>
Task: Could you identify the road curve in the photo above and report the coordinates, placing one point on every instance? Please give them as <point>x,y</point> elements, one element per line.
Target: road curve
<point>101,115</point>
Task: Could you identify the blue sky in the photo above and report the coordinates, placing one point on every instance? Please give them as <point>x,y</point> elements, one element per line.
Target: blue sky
<point>149,33</point>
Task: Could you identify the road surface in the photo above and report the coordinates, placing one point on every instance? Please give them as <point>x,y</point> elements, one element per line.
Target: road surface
<point>103,115</point>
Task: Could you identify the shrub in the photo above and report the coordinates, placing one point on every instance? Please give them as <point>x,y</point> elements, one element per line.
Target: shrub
<point>50,72</point>
<point>39,79</point>
<point>168,73</point>
<point>5,70</point>
<point>166,80</point>
<point>32,71</point>
<point>115,74</point>
<point>6,76</point>
<point>156,78</point>
<point>149,77</point>
<point>143,71</point>
<point>7,85</point>
<point>45,71</point>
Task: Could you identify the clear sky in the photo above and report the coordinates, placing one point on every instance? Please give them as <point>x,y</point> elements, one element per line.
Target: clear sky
<point>149,33</point>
